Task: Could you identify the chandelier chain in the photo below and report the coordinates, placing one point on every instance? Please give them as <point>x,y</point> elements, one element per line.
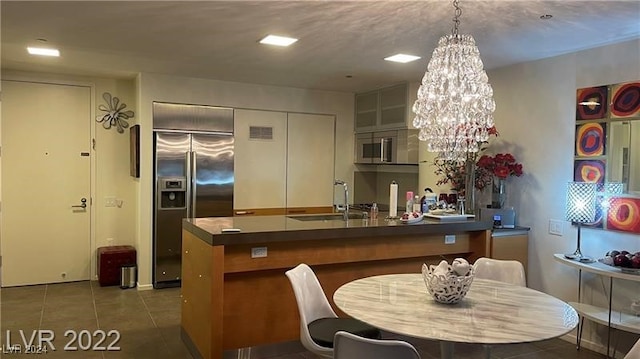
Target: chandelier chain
<point>456,18</point>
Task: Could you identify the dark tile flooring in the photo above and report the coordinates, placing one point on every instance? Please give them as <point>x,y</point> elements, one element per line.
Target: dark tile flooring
<point>148,323</point>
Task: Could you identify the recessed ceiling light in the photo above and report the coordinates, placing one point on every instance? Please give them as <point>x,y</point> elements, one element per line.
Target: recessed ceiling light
<point>43,52</point>
<point>402,58</point>
<point>546,16</point>
<point>278,40</point>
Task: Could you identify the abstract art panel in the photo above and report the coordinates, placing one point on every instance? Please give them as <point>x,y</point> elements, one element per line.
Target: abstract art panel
<point>592,171</point>
<point>590,139</point>
<point>624,214</point>
<point>591,103</point>
<point>625,100</point>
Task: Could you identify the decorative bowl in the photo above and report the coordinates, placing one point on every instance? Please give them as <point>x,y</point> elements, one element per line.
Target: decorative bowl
<point>447,288</point>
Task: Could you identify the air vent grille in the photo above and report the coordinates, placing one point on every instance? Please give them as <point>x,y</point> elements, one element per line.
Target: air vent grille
<point>260,133</point>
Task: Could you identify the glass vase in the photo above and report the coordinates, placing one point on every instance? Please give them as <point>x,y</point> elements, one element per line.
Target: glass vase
<point>470,186</point>
<point>498,193</point>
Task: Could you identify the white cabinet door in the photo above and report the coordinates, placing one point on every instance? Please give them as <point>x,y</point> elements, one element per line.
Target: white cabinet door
<point>260,159</point>
<point>310,160</point>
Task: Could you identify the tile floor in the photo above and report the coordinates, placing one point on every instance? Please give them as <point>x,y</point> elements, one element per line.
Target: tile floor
<point>149,326</point>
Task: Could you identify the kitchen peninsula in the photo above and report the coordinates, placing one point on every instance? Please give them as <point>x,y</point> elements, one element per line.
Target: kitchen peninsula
<point>235,293</point>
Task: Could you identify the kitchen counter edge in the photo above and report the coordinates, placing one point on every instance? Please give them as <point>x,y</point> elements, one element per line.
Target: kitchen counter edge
<point>210,229</point>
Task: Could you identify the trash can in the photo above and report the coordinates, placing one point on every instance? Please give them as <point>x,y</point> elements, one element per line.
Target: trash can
<point>128,276</point>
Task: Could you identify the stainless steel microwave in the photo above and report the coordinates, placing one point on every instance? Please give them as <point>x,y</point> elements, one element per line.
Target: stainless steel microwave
<point>387,147</point>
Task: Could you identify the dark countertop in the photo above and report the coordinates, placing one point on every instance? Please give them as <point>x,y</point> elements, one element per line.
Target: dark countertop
<point>505,232</point>
<point>265,229</point>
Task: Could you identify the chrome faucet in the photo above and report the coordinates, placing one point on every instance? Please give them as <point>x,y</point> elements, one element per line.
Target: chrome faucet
<point>345,209</point>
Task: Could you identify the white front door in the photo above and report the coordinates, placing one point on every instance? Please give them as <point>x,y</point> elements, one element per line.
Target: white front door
<point>46,174</point>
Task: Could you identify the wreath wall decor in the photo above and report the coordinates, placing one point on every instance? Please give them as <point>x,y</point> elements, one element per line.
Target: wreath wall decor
<point>115,114</point>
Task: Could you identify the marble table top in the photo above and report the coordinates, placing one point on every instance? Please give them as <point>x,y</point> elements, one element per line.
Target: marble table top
<point>491,313</point>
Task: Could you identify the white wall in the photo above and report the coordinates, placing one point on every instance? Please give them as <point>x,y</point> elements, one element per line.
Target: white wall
<point>155,87</point>
<point>535,116</point>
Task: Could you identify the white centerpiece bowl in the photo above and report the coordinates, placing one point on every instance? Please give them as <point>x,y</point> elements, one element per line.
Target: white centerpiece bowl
<point>446,287</point>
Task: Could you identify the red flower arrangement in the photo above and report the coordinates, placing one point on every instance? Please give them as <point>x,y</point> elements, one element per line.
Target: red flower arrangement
<point>501,165</point>
<point>454,172</point>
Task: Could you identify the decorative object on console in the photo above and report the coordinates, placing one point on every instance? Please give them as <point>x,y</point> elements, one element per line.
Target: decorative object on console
<point>455,105</point>
<point>115,114</point>
<point>581,208</point>
<point>448,284</point>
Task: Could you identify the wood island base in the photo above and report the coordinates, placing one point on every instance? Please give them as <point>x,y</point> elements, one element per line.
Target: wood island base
<point>233,301</point>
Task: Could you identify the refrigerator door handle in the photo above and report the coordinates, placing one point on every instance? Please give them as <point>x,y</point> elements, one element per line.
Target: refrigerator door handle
<point>187,161</point>
<point>193,184</point>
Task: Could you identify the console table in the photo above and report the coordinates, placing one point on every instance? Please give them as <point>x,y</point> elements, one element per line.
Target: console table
<point>606,316</point>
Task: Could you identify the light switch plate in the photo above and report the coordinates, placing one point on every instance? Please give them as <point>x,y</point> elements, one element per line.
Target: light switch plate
<point>109,201</point>
<point>555,227</point>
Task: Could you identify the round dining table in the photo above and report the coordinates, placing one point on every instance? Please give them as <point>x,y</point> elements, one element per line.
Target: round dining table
<point>491,313</point>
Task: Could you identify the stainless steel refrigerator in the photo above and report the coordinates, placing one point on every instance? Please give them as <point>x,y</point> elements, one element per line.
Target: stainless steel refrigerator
<point>193,147</point>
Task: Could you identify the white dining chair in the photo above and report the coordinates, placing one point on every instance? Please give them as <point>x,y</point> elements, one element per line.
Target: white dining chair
<point>318,322</point>
<point>634,353</point>
<point>501,270</point>
<point>508,271</point>
<point>350,346</point>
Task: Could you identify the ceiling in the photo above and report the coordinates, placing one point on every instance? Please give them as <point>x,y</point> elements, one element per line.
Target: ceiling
<point>341,43</point>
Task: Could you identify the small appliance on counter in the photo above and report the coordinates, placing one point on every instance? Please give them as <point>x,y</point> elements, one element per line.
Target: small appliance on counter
<point>501,217</point>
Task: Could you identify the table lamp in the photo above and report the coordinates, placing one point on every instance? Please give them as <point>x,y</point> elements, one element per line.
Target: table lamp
<point>581,208</point>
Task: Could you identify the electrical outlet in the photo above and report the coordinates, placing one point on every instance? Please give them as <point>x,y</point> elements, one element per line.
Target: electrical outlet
<point>259,252</point>
<point>555,227</point>
<point>450,239</point>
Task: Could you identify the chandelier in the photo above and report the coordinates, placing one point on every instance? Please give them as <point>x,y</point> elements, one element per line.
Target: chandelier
<point>454,109</point>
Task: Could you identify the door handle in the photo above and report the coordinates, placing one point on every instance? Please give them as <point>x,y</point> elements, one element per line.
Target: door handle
<point>83,205</point>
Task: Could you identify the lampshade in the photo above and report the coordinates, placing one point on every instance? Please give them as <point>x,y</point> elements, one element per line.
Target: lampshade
<point>454,108</point>
<point>613,188</point>
<point>581,202</point>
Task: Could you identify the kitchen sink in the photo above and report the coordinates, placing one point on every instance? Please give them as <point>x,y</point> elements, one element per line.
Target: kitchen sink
<point>326,217</point>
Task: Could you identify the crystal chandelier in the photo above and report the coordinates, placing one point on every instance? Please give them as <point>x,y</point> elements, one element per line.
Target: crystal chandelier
<point>455,105</point>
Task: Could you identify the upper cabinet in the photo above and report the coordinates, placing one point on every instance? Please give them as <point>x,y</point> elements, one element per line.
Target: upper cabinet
<point>386,108</point>
<point>284,162</point>
<point>310,161</point>
<point>260,159</point>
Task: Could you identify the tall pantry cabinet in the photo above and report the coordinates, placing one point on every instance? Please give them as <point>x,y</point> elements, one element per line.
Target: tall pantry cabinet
<point>284,162</point>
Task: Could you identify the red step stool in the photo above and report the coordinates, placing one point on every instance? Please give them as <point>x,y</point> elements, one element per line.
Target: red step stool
<point>110,260</point>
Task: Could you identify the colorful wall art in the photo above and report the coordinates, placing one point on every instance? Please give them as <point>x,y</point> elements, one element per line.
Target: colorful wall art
<point>599,112</point>
<point>592,171</point>
<point>625,100</point>
<point>590,139</point>
<point>624,214</point>
<point>591,103</point>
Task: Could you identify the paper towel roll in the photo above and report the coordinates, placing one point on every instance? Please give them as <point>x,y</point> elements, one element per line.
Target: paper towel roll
<point>393,199</point>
